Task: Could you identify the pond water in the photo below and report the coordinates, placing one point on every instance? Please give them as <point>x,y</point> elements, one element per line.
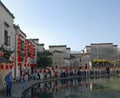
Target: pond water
<point>106,87</point>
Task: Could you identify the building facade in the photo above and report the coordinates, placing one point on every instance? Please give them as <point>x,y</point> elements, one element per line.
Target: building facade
<point>17,53</point>
<point>7,43</point>
<point>99,51</point>
<point>61,55</point>
<point>41,48</point>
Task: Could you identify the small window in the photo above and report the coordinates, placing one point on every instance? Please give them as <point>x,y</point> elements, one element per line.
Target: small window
<point>6,26</point>
<point>8,40</point>
<point>6,37</point>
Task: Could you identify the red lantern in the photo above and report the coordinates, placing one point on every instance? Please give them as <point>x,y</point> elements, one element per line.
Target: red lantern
<point>18,59</point>
<point>25,65</point>
<point>18,46</point>
<point>2,66</point>
<point>6,66</point>
<point>19,38</point>
<point>11,66</point>
<point>1,54</point>
<point>31,65</point>
<point>12,57</point>
<point>25,59</point>
<point>19,34</point>
<point>18,49</point>
<point>18,42</point>
<point>18,64</point>
<point>85,67</point>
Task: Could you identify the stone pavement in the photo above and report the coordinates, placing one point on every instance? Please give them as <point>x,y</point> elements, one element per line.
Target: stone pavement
<point>18,89</point>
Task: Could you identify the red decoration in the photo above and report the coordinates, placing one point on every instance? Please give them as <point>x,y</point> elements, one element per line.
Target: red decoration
<point>25,65</point>
<point>2,66</point>
<point>18,64</point>
<point>19,50</point>
<point>18,46</point>
<point>1,54</point>
<point>12,65</point>
<point>12,57</point>
<point>18,42</point>
<point>6,66</point>
<point>19,35</point>
<point>31,65</point>
<point>19,39</point>
<point>85,67</point>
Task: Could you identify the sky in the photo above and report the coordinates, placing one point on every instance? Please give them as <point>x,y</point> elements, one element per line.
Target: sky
<point>75,23</point>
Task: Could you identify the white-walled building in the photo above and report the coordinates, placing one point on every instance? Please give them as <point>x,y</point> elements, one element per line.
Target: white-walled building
<point>63,54</point>
<point>99,51</point>
<point>41,48</point>
<point>7,43</point>
<point>17,53</point>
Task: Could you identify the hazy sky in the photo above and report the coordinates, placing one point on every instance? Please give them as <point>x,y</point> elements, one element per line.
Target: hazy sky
<point>75,23</point>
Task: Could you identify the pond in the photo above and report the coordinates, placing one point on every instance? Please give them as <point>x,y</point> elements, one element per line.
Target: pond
<point>105,87</point>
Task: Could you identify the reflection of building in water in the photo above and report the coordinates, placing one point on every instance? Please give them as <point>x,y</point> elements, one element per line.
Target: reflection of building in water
<point>61,89</point>
<point>91,86</point>
<point>72,88</point>
<point>81,89</point>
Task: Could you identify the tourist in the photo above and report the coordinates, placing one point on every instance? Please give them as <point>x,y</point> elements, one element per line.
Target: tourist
<point>25,80</point>
<point>38,75</point>
<point>8,80</point>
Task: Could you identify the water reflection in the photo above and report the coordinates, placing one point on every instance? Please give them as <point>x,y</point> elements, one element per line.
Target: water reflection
<point>76,88</point>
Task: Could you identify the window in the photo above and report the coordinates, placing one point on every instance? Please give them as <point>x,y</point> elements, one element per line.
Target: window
<point>6,37</point>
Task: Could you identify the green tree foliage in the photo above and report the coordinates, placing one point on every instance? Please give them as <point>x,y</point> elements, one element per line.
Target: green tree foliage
<point>43,60</point>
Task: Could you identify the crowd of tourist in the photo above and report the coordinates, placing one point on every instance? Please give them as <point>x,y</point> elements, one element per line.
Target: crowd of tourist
<point>74,72</point>
<point>55,73</point>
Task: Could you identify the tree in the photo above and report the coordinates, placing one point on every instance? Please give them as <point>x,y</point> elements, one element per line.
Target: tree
<point>43,60</point>
<point>102,62</point>
<point>116,62</point>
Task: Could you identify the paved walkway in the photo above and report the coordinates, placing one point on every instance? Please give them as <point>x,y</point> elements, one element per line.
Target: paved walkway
<point>18,89</point>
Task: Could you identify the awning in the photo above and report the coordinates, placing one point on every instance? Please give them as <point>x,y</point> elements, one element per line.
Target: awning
<point>4,60</point>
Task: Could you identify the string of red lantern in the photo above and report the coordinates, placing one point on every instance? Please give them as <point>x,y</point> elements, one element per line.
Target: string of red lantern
<point>6,66</point>
<point>2,66</point>
<point>18,49</point>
